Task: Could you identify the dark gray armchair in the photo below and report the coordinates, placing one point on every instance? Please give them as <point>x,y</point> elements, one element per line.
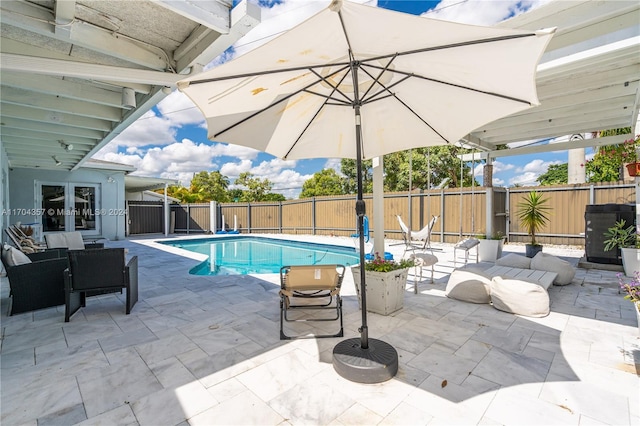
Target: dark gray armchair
<point>36,285</point>
<point>99,270</point>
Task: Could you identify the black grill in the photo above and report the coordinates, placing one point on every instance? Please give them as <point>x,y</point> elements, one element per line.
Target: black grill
<point>598,218</point>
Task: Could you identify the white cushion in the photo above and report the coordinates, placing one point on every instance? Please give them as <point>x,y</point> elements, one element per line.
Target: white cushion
<point>56,240</point>
<point>547,262</point>
<point>514,261</point>
<point>14,257</point>
<point>74,240</point>
<point>519,297</point>
<point>71,240</point>
<point>469,286</point>
<point>468,243</point>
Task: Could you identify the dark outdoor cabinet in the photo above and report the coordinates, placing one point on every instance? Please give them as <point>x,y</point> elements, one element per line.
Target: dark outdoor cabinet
<point>598,218</point>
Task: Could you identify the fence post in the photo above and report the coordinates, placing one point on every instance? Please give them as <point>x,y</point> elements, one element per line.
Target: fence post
<point>507,224</point>
<point>442,215</point>
<point>248,218</point>
<point>213,223</point>
<point>313,215</point>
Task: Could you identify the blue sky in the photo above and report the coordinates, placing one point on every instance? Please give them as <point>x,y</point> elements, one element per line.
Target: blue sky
<point>170,141</point>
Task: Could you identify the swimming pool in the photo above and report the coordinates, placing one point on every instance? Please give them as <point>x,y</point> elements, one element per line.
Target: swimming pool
<point>241,255</point>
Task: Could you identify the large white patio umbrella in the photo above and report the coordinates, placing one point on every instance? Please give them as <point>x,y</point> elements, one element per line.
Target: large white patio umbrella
<point>355,81</point>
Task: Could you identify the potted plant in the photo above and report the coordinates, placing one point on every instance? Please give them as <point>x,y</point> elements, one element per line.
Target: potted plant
<point>532,213</point>
<point>625,154</point>
<point>385,281</point>
<point>490,248</point>
<point>625,239</point>
<point>632,290</point>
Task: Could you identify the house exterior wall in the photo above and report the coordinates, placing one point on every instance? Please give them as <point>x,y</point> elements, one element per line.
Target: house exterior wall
<point>23,196</point>
<point>4,188</point>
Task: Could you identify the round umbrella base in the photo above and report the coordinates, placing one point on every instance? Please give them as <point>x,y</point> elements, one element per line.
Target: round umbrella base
<point>378,363</point>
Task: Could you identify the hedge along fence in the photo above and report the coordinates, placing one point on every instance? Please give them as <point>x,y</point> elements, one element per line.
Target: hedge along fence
<point>461,213</point>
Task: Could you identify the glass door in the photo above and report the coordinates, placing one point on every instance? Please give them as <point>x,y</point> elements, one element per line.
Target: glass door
<point>70,207</point>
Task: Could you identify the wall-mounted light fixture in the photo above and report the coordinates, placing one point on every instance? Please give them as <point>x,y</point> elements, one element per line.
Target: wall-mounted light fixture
<point>66,146</point>
<point>58,162</point>
<point>128,98</point>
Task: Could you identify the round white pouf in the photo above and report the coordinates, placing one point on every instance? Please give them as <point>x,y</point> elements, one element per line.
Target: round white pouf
<point>422,260</point>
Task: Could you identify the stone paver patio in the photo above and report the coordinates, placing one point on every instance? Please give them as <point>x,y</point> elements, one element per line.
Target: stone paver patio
<point>204,350</point>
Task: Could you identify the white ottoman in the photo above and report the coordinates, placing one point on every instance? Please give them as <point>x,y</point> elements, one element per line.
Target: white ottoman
<point>421,260</point>
<point>466,285</point>
<point>519,297</point>
<point>547,262</point>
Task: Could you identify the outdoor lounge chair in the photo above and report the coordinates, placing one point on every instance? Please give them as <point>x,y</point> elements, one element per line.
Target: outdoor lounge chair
<point>419,239</point>
<point>315,286</point>
<point>35,280</point>
<point>21,241</point>
<point>69,240</point>
<point>99,270</point>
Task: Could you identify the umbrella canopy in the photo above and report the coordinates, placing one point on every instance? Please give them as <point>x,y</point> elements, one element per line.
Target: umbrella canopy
<point>421,82</point>
<point>355,81</point>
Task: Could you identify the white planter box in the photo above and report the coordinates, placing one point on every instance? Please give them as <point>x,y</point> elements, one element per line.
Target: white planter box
<point>630,260</point>
<point>385,290</point>
<point>489,250</point>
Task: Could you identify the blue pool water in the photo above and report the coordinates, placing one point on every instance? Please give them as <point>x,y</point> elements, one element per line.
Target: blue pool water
<point>240,255</point>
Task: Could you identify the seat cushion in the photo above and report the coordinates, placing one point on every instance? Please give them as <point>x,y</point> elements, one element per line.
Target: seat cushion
<point>547,262</point>
<point>469,286</point>
<point>13,257</point>
<point>467,243</point>
<point>74,240</point>
<point>519,297</point>
<point>513,260</point>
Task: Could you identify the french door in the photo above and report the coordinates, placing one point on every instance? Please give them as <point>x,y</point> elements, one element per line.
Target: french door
<point>70,207</point>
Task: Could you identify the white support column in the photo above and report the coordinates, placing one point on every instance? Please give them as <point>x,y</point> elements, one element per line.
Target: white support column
<point>576,162</point>
<point>378,206</point>
<point>488,183</point>
<point>167,213</point>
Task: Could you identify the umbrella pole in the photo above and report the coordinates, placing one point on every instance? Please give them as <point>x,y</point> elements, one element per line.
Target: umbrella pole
<point>363,360</point>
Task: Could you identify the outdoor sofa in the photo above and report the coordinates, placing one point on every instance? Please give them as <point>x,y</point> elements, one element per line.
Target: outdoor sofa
<point>522,292</point>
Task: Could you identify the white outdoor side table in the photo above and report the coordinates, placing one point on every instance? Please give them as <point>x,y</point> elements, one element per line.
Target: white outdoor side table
<point>422,260</point>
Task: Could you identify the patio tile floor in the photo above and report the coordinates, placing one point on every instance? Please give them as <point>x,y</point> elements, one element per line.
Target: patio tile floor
<point>200,350</point>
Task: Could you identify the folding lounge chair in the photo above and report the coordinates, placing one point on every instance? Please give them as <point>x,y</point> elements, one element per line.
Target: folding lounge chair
<point>317,286</point>
<point>413,240</point>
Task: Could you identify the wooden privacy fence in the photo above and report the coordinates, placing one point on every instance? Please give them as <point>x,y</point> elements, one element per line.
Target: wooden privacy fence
<point>461,213</point>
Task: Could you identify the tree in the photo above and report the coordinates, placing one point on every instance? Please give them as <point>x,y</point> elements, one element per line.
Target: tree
<point>181,193</point>
<point>324,182</point>
<point>211,186</point>
<point>555,174</point>
<point>348,169</point>
<point>256,189</point>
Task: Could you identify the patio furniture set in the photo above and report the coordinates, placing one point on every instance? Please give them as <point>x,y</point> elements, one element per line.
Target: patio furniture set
<point>65,272</point>
<point>515,284</point>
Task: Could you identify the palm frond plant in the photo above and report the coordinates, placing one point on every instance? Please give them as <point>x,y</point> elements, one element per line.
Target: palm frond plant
<point>533,215</point>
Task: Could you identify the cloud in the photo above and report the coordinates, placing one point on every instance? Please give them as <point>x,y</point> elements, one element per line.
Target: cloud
<point>530,172</point>
<point>481,12</point>
<point>149,129</point>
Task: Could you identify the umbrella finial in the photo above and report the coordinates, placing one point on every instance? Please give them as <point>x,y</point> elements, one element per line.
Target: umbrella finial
<point>335,5</point>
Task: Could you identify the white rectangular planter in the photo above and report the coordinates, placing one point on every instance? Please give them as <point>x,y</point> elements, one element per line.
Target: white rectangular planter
<point>385,290</point>
<point>489,250</point>
<point>630,260</point>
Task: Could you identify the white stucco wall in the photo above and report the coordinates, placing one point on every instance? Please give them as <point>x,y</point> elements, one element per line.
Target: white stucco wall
<point>4,188</point>
<point>23,195</point>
